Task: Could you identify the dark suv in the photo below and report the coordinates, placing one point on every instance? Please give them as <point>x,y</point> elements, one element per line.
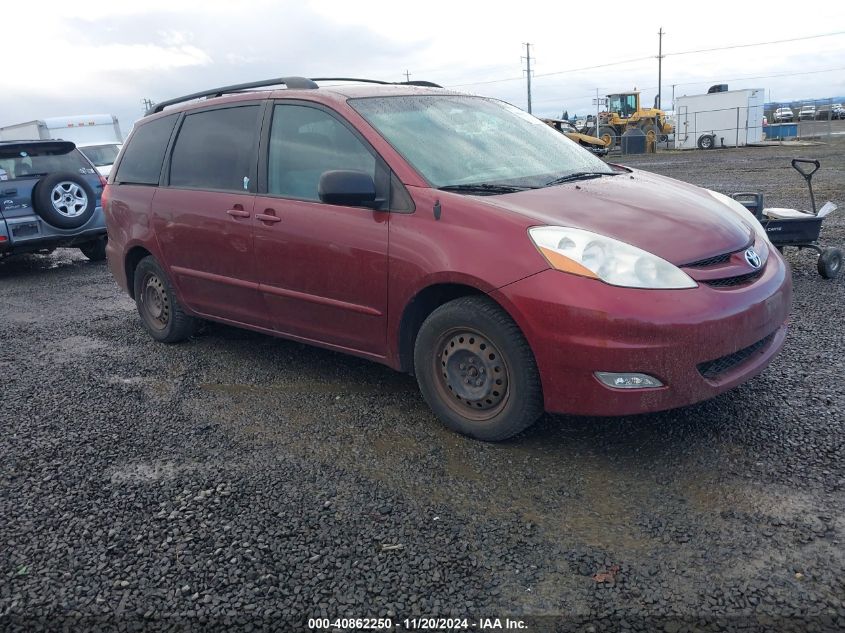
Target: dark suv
<point>451,236</point>
<point>50,198</point>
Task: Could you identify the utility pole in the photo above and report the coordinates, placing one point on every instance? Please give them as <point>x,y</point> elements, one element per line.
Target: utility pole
<point>148,104</point>
<point>660,66</point>
<point>599,101</point>
<point>407,76</point>
<point>527,59</point>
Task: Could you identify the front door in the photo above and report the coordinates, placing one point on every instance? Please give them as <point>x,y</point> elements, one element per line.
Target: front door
<point>322,268</point>
<point>203,217</point>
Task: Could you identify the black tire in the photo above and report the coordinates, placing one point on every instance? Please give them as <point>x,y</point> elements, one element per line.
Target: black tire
<point>64,200</point>
<point>706,142</point>
<point>505,396</point>
<point>95,250</point>
<point>647,127</point>
<point>161,313</point>
<point>606,132</point>
<point>830,263</point>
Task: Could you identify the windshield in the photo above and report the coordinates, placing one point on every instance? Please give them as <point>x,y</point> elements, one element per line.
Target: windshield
<point>37,160</point>
<point>455,139</point>
<point>101,155</point>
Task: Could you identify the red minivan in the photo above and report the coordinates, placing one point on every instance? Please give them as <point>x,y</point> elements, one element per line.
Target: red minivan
<point>450,236</point>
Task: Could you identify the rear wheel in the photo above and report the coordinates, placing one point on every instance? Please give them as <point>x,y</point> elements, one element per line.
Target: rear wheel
<point>830,263</point>
<point>476,370</point>
<point>161,313</point>
<point>706,142</point>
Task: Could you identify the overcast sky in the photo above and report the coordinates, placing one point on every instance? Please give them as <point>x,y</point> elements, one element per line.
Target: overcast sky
<point>63,58</point>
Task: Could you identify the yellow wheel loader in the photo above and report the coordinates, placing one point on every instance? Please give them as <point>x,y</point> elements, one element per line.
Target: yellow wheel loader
<point>623,112</point>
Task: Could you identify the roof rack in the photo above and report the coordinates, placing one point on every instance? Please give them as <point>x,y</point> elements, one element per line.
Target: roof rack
<point>424,84</point>
<point>292,83</point>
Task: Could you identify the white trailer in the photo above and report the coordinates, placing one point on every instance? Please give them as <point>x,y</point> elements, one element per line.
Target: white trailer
<point>720,119</point>
<point>84,129</point>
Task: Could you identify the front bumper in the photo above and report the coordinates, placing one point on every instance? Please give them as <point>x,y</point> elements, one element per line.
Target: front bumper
<point>578,326</point>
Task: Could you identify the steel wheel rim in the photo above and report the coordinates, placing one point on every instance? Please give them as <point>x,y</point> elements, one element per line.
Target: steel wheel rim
<point>69,199</point>
<point>155,302</point>
<point>471,374</point>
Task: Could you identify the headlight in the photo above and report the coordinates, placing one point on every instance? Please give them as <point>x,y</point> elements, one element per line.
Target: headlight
<point>744,214</point>
<point>617,263</point>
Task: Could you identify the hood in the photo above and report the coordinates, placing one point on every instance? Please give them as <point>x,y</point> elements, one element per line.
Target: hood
<point>679,222</point>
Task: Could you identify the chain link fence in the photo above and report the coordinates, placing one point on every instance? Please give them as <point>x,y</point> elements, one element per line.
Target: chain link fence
<point>814,118</point>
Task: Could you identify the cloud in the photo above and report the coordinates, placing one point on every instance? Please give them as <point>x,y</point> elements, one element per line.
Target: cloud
<point>115,53</point>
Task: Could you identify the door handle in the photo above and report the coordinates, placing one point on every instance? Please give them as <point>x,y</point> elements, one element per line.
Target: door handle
<point>238,213</point>
<point>268,216</point>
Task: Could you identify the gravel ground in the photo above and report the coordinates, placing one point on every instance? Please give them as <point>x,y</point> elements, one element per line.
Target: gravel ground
<point>240,481</point>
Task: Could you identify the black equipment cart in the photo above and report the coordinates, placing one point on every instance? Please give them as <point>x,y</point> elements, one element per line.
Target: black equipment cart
<point>787,227</point>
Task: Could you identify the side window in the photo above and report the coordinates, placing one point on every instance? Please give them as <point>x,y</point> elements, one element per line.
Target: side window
<point>304,143</point>
<point>215,149</point>
<point>144,155</point>
<point>631,105</point>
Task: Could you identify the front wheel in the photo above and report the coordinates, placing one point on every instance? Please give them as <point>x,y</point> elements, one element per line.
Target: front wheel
<point>830,263</point>
<point>608,135</point>
<point>160,311</point>
<point>476,370</point>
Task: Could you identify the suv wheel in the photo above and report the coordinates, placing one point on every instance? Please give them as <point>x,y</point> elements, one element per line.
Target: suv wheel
<point>476,370</point>
<point>64,200</point>
<point>160,311</point>
<point>95,250</point>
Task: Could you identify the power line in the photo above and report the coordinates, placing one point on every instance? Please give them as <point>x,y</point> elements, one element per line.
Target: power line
<point>796,74</point>
<point>649,57</point>
<point>702,81</point>
<point>725,48</point>
<point>557,72</point>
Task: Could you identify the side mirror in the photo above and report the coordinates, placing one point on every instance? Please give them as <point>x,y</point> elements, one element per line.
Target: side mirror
<point>347,188</point>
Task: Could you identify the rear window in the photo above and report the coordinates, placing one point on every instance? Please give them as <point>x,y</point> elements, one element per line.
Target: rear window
<point>101,155</point>
<point>27,161</point>
<point>144,155</point>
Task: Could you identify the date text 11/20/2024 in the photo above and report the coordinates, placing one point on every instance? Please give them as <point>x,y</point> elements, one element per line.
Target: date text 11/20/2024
<point>417,624</point>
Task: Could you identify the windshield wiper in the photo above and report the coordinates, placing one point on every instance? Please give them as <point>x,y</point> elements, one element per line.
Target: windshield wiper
<point>484,188</point>
<point>580,175</point>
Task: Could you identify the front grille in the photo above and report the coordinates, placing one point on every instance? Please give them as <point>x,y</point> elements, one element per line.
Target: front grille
<point>714,368</point>
<point>710,261</point>
<point>728,282</point>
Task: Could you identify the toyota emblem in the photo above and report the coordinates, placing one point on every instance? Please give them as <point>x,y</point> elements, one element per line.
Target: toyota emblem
<point>753,258</point>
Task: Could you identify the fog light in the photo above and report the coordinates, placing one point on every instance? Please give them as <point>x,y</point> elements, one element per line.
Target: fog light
<point>628,380</point>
